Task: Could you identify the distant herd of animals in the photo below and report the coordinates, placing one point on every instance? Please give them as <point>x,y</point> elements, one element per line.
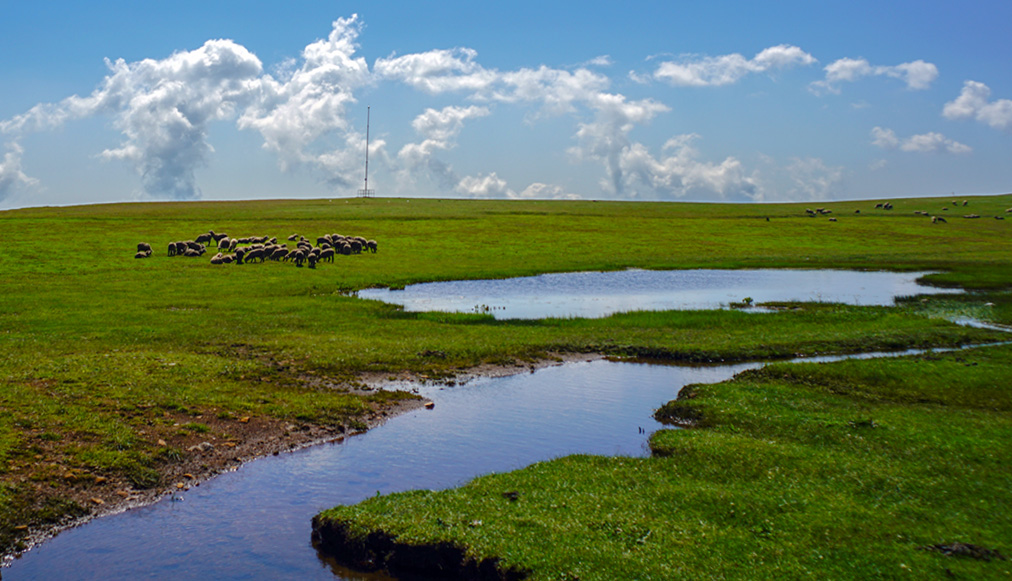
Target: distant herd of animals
<point>263,248</point>
<point>888,206</point>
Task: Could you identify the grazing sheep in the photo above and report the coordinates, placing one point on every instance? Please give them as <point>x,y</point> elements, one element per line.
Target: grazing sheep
<point>965,202</point>
<point>223,244</point>
<point>216,259</point>
<point>204,238</point>
<point>327,254</point>
<point>857,211</point>
<point>191,253</point>
<point>253,255</point>
<point>278,254</point>
<point>1009,211</point>
<point>142,254</point>
<point>143,247</point>
<point>345,249</point>
<point>371,244</point>
<point>999,217</point>
<point>971,216</point>
<point>879,205</point>
<point>832,219</point>
<point>239,253</point>
<point>311,260</point>
<point>293,237</point>
<point>888,206</point>
<point>172,248</point>
<point>356,246</point>
<point>810,211</point>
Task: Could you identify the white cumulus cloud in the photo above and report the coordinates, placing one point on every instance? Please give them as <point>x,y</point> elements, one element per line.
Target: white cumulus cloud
<point>437,71</point>
<point>812,179</point>
<point>728,69</point>
<point>918,75</point>
<point>440,129</point>
<point>163,108</point>
<point>11,175</point>
<point>973,103</point>
<point>930,142</point>
<point>297,112</point>
<point>489,186</point>
<point>678,172</point>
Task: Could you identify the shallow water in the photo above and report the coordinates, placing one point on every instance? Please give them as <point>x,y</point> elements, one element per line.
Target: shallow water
<point>255,522</point>
<point>599,294</point>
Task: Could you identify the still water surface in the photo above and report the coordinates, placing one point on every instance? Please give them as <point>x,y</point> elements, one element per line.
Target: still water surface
<point>599,294</point>
<point>254,523</point>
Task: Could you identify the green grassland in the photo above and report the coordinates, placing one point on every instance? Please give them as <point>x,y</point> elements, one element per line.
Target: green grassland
<point>104,355</point>
<point>850,470</point>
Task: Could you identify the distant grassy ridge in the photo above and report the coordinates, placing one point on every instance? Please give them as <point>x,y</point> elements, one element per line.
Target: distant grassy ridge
<point>104,353</point>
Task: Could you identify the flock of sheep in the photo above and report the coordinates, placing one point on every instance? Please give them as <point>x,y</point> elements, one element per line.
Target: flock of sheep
<point>262,248</point>
<point>888,206</point>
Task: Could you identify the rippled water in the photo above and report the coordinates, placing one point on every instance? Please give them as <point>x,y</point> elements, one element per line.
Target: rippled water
<point>255,522</point>
<point>599,294</point>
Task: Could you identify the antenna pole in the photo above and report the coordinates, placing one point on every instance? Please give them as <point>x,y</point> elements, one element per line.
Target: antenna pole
<point>365,192</point>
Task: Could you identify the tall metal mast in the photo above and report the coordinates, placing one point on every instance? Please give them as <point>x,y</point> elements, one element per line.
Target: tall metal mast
<point>365,192</point>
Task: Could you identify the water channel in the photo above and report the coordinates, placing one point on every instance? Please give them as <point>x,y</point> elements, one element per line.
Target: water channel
<point>255,522</point>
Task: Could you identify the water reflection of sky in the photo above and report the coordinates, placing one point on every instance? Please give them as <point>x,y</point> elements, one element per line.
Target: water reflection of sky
<point>599,294</point>
<point>255,523</point>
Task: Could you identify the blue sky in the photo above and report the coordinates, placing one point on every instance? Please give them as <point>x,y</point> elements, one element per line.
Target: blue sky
<point>708,101</point>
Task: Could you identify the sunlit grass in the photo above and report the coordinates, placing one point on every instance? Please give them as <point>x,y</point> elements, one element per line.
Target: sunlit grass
<point>841,470</point>
<point>98,346</point>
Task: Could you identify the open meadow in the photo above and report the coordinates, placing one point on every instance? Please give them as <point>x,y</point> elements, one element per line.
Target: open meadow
<point>124,378</point>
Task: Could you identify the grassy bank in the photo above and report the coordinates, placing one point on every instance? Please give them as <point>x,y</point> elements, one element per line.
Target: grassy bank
<point>114,368</point>
<point>857,469</point>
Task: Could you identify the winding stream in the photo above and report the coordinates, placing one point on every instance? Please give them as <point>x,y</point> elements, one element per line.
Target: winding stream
<point>255,522</point>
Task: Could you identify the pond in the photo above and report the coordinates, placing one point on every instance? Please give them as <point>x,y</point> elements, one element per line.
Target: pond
<point>255,522</point>
<point>599,294</point>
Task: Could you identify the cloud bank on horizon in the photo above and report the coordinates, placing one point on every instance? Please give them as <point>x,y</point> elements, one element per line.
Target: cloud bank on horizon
<point>164,109</point>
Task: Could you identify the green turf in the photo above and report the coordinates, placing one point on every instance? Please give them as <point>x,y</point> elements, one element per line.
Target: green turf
<point>839,470</point>
<point>102,352</point>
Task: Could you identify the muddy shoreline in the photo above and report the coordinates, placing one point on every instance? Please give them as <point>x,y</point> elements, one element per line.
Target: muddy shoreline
<point>207,455</point>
